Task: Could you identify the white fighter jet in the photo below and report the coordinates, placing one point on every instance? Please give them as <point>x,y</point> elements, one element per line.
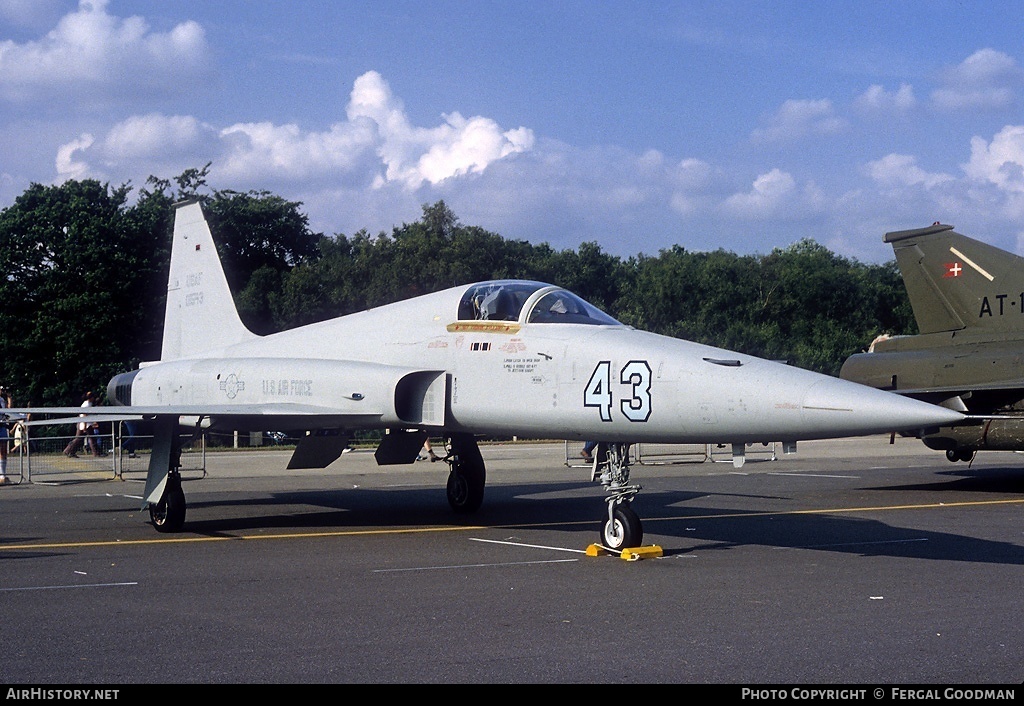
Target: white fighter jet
<point>500,358</point>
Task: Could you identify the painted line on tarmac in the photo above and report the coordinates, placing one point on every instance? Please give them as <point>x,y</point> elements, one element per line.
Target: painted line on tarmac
<point>809,475</point>
<point>523,544</point>
<point>80,585</point>
<point>837,510</point>
<point>238,538</point>
<point>472,566</point>
<point>855,544</point>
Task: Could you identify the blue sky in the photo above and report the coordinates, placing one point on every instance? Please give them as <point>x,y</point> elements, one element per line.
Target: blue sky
<point>638,125</point>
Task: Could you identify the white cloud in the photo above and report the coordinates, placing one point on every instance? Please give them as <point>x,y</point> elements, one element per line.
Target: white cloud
<point>155,142</point>
<point>877,100</point>
<point>415,155</point>
<point>774,195</point>
<point>798,118</point>
<point>898,170</point>
<point>466,146</point>
<point>67,167</point>
<point>145,135</point>
<point>1000,162</point>
<point>986,79</point>
<point>376,146</point>
<point>91,56</point>
<point>690,182</point>
<point>254,150</point>
<point>377,125</point>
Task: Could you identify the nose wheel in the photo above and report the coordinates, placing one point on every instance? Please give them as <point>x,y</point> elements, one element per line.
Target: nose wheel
<point>622,528</point>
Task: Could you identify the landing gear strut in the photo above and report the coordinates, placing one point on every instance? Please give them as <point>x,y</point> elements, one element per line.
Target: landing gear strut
<point>467,476</point>
<point>622,527</point>
<point>168,512</point>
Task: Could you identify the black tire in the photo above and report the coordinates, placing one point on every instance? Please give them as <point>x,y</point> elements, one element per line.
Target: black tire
<point>623,530</point>
<point>467,478</point>
<point>168,515</point>
<point>952,455</point>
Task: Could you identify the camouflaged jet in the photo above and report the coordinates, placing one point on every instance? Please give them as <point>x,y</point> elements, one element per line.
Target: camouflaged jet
<point>968,300</point>
<point>500,358</point>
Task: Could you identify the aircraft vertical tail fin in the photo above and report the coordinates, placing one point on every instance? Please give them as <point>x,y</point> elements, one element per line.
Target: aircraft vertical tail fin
<point>955,282</point>
<point>201,314</point>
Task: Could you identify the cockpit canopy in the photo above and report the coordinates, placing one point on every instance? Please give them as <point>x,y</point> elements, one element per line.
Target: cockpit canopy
<point>528,302</point>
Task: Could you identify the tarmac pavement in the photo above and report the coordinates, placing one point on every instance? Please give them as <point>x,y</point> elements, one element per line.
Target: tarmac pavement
<point>850,562</point>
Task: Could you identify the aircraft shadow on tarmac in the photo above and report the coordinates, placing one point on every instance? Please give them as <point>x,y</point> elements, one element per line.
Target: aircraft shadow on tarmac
<point>976,479</point>
<point>689,530</point>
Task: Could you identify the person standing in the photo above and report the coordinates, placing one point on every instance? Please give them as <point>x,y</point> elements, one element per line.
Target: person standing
<point>5,403</point>
<point>588,451</point>
<point>430,452</point>
<point>128,440</point>
<point>84,432</point>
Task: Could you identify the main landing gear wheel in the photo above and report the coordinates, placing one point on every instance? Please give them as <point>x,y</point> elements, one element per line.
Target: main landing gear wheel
<point>955,455</point>
<point>168,515</point>
<point>622,529</point>
<point>468,475</point>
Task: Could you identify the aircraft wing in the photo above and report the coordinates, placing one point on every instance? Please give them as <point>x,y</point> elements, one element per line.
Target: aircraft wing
<point>316,450</point>
<point>266,415</point>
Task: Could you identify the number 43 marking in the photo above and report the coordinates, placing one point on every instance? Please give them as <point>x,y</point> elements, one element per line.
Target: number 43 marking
<point>598,392</point>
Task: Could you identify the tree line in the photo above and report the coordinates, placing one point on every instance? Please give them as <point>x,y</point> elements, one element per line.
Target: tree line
<point>85,274</point>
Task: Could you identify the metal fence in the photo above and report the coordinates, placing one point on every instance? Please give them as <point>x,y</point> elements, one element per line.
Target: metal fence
<point>720,453</point>
<point>115,455</point>
<point>671,454</point>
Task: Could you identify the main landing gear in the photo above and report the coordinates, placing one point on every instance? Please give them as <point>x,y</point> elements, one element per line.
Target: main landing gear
<point>955,455</point>
<point>622,527</point>
<point>467,476</point>
<point>168,514</point>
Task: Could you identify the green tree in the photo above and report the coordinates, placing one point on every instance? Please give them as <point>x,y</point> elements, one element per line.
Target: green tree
<point>801,304</point>
<point>76,270</point>
<point>260,237</point>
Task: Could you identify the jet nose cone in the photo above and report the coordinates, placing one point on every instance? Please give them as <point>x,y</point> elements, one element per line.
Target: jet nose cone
<point>834,402</point>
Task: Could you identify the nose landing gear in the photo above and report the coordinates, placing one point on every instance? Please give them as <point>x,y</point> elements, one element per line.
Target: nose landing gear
<point>622,527</point>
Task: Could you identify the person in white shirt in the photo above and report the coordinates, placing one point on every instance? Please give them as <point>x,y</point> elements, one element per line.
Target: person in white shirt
<point>84,433</point>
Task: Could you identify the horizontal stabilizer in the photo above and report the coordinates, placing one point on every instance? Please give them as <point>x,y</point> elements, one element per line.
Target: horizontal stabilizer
<point>100,418</point>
